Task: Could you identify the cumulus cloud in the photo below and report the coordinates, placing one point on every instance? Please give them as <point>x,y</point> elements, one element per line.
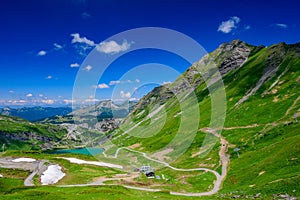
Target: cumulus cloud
<point>108,47</point>
<point>91,100</point>
<point>115,82</point>
<point>101,86</point>
<point>88,68</point>
<point>125,95</point>
<point>69,101</point>
<point>112,47</point>
<point>74,65</point>
<point>29,95</point>
<point>229,25</point>
<point>41,53</point>
<point>84,40</point>
<point>49,77</point>
<point>48,101</point>
<point>22,102</point>
<point>57,46</point>
<point>281,25</point>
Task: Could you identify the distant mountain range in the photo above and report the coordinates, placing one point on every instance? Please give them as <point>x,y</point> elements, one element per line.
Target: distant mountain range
<point>35,113</point>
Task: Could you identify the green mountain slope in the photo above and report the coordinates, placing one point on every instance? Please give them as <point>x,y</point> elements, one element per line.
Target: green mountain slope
<point>17,133</point>
<point>262,99</point>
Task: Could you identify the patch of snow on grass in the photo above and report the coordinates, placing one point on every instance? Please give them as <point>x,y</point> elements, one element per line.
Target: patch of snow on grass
<point>52,175</point>
<point>24,160</point>
<point>102,164</point>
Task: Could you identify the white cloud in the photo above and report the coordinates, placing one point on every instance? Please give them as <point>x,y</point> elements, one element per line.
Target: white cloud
<point>69,101</point>
<point>29,95</point>
<point>11,91</point>
<point>57,46</point>
<point>108,47</point>
<point>247,27</point>
<point>123,81</point>
<point>88,68</point>
<point>74,65</point>
<point>41,95</point>
<point>84,40</point>
<point>17,101</point>
<point>281,25</point>
<point>101,86</point>
<point>125,95</point>
<point>229,25</point>
<point>49,77</point>
<point>91,100</point>
<point>133,99</point>
<point>48,101</point>
<point>166,82</point>
<point>41,53</point>
<point>112,47</point>
<point>85,15</point>
<point>114,82</point>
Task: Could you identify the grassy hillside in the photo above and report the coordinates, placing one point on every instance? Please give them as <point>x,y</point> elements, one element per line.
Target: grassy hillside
<point>262,91</point>
<point>261,126</point>
<point>17,133</point>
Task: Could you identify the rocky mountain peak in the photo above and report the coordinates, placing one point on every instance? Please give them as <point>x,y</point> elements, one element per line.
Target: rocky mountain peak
<point>231,55</point>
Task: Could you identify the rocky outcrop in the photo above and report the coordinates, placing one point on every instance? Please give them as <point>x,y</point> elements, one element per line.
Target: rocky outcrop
<point>232,55</point>
<point>273,62</point>
<point>225,58</point>
<point>45,142</point>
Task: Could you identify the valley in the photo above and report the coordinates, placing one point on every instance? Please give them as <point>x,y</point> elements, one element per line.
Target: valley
<point>251,151</point>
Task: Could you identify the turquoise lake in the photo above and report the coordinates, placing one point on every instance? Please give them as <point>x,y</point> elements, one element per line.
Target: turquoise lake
<point>83,151</point>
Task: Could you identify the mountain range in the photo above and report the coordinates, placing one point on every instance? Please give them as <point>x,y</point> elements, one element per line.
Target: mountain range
<point>248,98</point>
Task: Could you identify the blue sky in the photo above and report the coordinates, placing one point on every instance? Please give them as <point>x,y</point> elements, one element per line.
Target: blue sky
<point>44,42</point>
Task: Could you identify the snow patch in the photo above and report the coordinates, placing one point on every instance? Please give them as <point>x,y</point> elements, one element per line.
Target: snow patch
<point>52,175</point>
<point>24,160</point>
<point>101,164</point>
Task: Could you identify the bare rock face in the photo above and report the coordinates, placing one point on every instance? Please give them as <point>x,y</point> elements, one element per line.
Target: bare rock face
<point>226,57</point>
<point>232,55</point>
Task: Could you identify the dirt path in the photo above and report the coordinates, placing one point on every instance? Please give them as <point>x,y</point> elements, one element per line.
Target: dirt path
<point>224,161</point>
<point>242,127</point>
<point>37,166</point>
<point>102,179</point>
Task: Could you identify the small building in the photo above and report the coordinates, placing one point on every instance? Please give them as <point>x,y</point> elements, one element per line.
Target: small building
<point>150,174</point>
<point>148,171</point>
<point>143,169</point>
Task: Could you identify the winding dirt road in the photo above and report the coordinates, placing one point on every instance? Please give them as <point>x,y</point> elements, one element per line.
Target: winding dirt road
<point>38,166</point>
<point>224,161</point>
